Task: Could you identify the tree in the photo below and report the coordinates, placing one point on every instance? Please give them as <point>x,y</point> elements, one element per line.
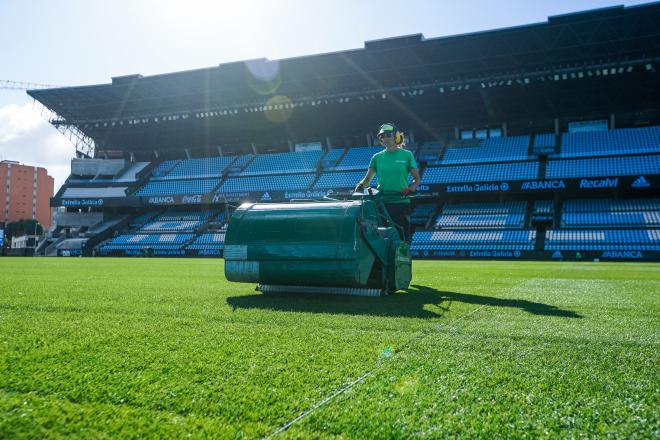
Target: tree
<point>23,227</point>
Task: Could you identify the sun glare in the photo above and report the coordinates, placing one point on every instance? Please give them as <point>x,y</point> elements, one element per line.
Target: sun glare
<point>233,17</point>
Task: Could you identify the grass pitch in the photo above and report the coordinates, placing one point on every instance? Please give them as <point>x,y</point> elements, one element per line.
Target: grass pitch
<point>126,348</point>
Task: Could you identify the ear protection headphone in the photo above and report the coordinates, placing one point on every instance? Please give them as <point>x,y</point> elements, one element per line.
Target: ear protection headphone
<point>398,135</point>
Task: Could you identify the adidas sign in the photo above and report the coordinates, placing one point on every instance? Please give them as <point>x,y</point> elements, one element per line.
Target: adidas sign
<point>266,196</point>
<point>557,254</point>
<point>641,182</point>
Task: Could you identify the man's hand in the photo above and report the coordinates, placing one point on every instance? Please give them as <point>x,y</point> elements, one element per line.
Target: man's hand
<point>406,191</point>
<point>359,187</point>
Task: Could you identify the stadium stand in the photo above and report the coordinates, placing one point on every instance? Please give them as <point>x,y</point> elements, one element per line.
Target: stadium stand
<point>422,213</point>
<point>164,167</point>
<point>208,241</point>
<point>611,142</point>
<point>492,150</point>
<point>544,143</point>
<point>474,240</point>
<point>430,152</point>
<point>179,226</point>
<point>73,193</point>
<point>205,167</point>
<point>603,166</point>
<point>480,173</point>
<point>484,208</point>
<point>481,216</point>
<point>177,187</point>
<point>267,183</point>
<point>105,225</point>
<point>178,221</point>
<point>609,213</point>
<point>237,165</point>
<point>338,179</point>
<point>130,174</point>
<point>357,158</point>
<point>140,241</point>
<point>140,220</point>
<point>489,226</point>
<point>168,231</point>
<point>284,163</point>
<point>603,240</point>
<point>332,158</point>
<point>543,206</point>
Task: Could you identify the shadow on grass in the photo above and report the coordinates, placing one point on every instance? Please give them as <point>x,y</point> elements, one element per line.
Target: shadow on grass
<point>532,307</point>
<point>410,303</point>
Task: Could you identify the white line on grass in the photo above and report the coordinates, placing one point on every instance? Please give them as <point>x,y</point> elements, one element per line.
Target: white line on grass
<point>378,366</point>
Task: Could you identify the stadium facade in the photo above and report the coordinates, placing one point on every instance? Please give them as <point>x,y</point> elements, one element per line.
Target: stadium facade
<point>540,141</point>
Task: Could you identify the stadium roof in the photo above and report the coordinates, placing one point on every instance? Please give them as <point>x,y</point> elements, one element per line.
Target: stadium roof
<point>616,37</point>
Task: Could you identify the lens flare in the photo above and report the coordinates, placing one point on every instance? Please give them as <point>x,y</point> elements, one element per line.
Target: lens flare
<point>278,109</point>
<point>263,76</point>
<point>407,385</point>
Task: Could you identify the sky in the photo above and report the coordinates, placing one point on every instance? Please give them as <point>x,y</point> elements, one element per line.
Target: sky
<point>80,42</point>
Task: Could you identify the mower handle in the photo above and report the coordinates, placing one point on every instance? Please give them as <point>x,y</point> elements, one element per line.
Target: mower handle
<point>378,195</point>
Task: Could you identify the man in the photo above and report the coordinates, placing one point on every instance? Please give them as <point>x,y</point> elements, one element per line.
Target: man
<point>392,166</point>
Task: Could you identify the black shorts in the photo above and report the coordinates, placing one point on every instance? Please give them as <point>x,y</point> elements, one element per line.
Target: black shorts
<point>400,214</point>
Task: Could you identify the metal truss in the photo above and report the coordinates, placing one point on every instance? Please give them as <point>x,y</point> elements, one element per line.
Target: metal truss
<point>84,144</point>
<point>21,85</point>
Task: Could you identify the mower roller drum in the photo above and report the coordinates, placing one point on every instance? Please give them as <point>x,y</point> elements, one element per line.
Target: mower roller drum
<point>341,247</point>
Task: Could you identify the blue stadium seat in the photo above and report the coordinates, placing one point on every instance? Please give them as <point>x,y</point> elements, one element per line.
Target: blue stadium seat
<point>543,207</point>
<point>242,160</point>
<point>480,173</point>
<point>545,143</point>
<point>480,221</point>
<point>141,220</point>
<point>340,180</point>
<point>603,240</point>
<point>267,183</point>
<point>184,225</point>
<point>609,213</point>
<point>522,240</point>
<point>164,168</point>
<point>517,207</point>
<point>422,213</point>
<point>177,187</point>
<point>607,205</point>
<point>172,241</point>
<point>357,158</point>
<point>544,140</point>
<point>178,221</point>
<point>203,167</point>
<point>281,163</point>
<point>492,150</point>
<point>212,240</point>
<point>331,159</point>
<point>429,151</point>
<point>611,142</point>
<point>482,215</point>
<point>603,167</point>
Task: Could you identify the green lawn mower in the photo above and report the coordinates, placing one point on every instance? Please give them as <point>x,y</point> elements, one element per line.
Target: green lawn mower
<point>347,247</point>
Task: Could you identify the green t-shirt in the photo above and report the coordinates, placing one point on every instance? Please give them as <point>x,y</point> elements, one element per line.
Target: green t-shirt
<point>392,169</point>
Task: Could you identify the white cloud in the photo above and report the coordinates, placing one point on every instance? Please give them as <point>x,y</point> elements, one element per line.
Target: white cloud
<point>26,137</point>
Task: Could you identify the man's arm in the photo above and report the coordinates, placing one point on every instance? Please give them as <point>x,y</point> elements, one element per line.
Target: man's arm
<point>414,171</point>
<point>413,187</point>
<point>366,181</point>
<point>416,179</point>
